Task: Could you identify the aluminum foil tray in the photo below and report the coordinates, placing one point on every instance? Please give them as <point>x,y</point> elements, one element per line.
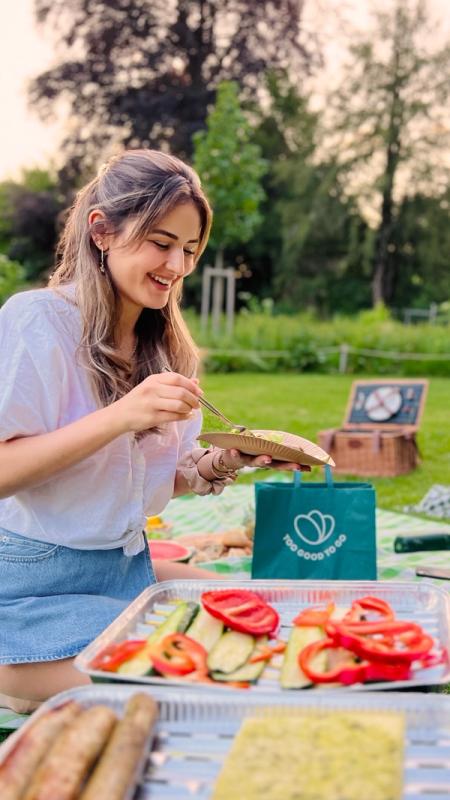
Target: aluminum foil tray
<point>422,602</point>
<point>195,730</point>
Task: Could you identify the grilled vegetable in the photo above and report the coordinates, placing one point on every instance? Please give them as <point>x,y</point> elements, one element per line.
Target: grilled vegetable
<point>111,657</point>
<point>292,677</point>
<point>348,671</point>
<point>179,655</point>
<point>205,629</point>
<point>177,622</point>
<point>231,652</point>
<point>249,671</point>
<point>241,610</point>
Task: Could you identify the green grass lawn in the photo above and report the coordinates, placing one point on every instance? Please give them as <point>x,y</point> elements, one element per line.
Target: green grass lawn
<point>305,404</point>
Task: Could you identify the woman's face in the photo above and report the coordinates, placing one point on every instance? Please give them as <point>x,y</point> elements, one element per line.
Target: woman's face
<point>144,274</point>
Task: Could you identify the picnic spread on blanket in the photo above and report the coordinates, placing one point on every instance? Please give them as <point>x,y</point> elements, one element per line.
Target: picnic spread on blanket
<point>211,524</point>
<point>198,685</point>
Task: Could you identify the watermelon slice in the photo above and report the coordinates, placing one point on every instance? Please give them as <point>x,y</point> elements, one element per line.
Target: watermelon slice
<point>169,550</point>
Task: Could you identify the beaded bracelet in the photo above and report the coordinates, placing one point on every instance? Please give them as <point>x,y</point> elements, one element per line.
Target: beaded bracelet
<point>210,480</point>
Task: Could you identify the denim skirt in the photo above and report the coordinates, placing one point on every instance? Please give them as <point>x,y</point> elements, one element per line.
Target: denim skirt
<point>54,600</point>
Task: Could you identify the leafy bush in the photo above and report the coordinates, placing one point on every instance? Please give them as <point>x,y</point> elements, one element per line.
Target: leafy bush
<point>279,343</point>
<point>12,277</point>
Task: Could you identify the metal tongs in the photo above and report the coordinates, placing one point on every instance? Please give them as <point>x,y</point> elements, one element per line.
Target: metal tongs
<point>214,410</point>
<point>206,403</point>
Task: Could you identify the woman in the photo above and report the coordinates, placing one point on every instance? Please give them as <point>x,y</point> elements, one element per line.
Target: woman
<point>99,415</point>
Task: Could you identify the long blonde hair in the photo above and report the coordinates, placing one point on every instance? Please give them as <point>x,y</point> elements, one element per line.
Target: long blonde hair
<point>143,186</point>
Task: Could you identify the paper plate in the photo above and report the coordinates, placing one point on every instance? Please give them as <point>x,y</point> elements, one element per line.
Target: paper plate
<point>292,448</point>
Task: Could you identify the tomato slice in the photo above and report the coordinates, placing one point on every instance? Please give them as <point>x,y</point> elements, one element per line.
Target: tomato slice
<point>112,656</point>
<point>241,610</point>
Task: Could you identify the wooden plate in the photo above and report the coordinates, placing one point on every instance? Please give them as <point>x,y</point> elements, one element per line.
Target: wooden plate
<point>292,448</point>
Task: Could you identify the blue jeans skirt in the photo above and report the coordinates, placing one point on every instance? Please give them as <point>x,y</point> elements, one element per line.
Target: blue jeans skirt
<point>54,600</point>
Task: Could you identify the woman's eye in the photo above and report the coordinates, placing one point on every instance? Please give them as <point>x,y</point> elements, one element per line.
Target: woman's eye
<point>164,246</point>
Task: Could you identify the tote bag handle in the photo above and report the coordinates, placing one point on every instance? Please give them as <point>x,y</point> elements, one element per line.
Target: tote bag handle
<point>328,477</point>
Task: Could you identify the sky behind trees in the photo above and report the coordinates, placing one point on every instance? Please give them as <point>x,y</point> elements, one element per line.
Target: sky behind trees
<point>26,51</point>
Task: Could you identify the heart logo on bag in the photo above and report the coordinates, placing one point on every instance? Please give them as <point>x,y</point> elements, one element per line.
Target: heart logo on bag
<point>314,528</point>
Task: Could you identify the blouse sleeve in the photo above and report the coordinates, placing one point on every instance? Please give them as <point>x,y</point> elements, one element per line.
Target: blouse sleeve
<point>189,456</point>
<point>191,431</point>
<point>33,370</point>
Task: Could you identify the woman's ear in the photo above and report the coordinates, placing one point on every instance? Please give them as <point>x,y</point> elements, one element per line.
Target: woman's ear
<point>98,228</point>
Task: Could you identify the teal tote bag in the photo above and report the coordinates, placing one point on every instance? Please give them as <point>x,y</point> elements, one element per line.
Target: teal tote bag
<point>323,531</point>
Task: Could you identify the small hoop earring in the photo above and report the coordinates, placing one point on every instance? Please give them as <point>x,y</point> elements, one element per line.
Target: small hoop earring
<point>102,261</point>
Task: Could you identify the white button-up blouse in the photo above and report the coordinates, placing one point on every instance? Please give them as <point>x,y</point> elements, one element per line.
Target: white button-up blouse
<point>102,501</point>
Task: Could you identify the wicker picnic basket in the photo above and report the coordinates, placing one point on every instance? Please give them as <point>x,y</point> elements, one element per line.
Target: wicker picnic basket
<point>378,436</point>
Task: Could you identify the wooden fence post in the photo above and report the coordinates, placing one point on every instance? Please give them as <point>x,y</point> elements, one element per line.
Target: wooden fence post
<point>343,357</point>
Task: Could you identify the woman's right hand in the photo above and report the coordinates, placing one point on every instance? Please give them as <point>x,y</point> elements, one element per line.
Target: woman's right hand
<point>164,397</point>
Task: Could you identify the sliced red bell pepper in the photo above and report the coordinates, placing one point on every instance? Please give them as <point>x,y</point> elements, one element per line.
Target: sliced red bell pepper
<point>388,628</point>
<point>178,654</point>
<point>231,598</point>
<point>239,684</point>
<point>349,672</point>
<point>266,652</point>
<point>315,617</point>
<point>112,656</point>
<point>369,603</point>
<point>399,643</point>
<point>241,610</point>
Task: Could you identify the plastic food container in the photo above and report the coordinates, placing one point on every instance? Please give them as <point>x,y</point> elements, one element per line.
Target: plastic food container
<point>195,730</point>
<point>423,602</point>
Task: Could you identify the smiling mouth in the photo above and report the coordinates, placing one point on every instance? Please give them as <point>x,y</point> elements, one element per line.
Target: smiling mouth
<point>161,283</point>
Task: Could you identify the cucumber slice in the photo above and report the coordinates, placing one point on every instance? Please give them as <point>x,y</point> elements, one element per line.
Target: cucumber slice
<point>177,622</point>
<point>139,666</point>
<point>291,676</point>
<point>247,672</point>
<point>205,629</point>
<point>231,652</point>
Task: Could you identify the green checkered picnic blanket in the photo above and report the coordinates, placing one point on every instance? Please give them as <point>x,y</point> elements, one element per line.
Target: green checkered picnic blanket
<point>236,506</point>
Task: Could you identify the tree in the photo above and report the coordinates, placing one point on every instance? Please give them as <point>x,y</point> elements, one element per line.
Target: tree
<point>231,169</point>
<point>143,72</point>
<point>310,245</point>
<point>29,212</point>
<point>390,123</point>
<point>321,264</point>
<point>420,246</point>
<point>284,127</point>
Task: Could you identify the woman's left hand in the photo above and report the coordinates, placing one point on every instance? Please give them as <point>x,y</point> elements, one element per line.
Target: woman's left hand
<point>234,459</point>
